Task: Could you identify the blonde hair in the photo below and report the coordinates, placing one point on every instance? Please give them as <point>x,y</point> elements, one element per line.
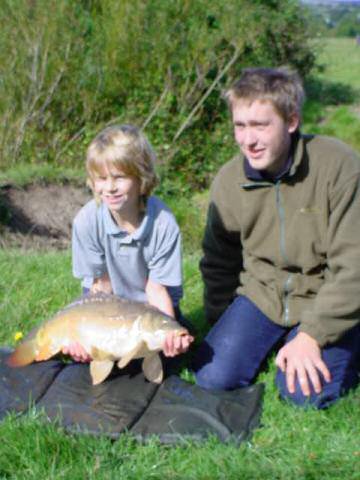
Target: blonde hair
<point>127,149</point>
<point>282,87</point>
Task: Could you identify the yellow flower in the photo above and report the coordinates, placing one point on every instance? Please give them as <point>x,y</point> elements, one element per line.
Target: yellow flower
<point>18,336</point>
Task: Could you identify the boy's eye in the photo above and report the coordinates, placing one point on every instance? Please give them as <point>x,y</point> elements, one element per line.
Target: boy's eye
<point>261,126</point>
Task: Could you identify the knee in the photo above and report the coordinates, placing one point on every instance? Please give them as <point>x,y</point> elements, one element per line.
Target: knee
<point>330,393</point>
<point>213,372</point>
<point>212,379</point>
<point>209,381</point>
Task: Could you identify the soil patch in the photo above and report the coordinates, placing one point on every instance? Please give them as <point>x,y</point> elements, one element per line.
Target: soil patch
<point>39,216</point>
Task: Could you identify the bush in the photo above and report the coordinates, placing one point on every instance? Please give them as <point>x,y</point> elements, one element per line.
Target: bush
<point>74,67</point>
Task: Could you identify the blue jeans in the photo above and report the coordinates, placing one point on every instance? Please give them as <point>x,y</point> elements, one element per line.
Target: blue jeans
<point>235,348</point>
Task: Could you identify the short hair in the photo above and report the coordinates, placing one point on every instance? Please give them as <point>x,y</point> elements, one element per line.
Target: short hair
<point>126,148</point>
<point>282,87</point>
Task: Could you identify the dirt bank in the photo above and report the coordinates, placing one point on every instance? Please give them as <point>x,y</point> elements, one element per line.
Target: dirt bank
<point>39,216</point>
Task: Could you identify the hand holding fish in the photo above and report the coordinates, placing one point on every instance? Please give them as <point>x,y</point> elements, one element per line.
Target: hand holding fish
<point>77,352</point>
<point>102,285</point>
<point>175,344</point>
<point>159,298</point>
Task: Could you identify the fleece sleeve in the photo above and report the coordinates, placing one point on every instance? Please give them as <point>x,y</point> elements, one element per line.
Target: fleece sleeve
<point>222,259</point>
<point>337,306</point>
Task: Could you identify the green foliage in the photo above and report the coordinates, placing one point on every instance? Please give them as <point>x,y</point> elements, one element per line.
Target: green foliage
<point>335,19</point>
<point>41,173</point>
<point>190,214</point>
<point>329,92</point>
<point>333,95</point>
<point>68,69</point>
<point>340,62</point>
<point>341,123</point>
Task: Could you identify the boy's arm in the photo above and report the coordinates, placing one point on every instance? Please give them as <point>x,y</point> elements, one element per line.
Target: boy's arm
<point>159,297</point>
<point>88,255</point>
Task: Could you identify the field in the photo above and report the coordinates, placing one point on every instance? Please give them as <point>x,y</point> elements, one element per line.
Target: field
<point>333,106</point>
<point>290,443</point>
<point>341,57</point>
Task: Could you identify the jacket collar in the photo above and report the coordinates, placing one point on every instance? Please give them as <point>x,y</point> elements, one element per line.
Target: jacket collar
<point>289,169</point>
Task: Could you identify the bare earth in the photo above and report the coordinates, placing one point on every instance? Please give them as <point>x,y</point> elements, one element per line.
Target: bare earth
<point>39,216</point>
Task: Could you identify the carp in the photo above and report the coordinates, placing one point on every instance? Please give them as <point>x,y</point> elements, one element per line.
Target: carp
<point>111,329</point>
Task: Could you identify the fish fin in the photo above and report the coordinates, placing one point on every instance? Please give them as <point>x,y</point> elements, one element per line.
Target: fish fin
<point>45,352</point>
<point>99,355</point>
<point>24,354</point>
<point>99,370</point>
<point>153,369</point>
<point>134,353</point>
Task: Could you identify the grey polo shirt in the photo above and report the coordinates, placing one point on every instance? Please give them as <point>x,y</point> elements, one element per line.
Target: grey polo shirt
<point>153,251</point>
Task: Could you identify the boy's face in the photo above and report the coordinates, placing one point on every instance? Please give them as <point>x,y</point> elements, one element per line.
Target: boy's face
<point>120,192</point>
<point>262,134</point>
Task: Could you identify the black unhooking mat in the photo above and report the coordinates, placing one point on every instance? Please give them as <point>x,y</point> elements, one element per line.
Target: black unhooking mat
<point>126,401</point>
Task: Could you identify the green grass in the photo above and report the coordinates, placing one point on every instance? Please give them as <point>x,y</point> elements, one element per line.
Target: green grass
<point>290,444</point>
<point>333,105</point>
<point>341,59</point>
<point>23,174</point>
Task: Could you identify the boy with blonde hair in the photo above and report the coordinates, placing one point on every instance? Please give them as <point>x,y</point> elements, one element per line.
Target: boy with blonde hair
<point>126,241</point>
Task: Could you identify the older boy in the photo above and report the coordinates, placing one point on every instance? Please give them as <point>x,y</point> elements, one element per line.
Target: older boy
<point>282,251</point>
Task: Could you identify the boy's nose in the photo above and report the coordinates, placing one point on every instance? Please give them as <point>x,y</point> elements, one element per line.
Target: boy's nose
<point>249,137</point>
<point>110,184</point>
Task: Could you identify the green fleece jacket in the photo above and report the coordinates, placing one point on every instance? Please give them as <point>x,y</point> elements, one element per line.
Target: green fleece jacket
<point>291,246</point>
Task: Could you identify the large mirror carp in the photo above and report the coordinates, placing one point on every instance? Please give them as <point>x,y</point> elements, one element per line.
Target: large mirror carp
<point>110,329</point>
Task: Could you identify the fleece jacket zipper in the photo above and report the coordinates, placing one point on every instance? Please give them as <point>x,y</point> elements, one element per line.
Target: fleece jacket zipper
<point>287,283</point>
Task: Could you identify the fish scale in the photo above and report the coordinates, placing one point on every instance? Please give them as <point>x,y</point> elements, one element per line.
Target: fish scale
<point>109,328</point>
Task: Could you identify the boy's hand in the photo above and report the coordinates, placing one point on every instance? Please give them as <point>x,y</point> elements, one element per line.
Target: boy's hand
<point>301,359</point>
<point>176,344</point>
<point>102,285</point>
<point>77,353</point>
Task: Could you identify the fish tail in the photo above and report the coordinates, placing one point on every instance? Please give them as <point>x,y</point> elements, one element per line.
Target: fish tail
<point>24,354</point>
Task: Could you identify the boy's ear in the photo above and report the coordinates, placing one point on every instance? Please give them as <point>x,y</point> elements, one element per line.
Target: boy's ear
<point>90,185</point>
<point>293,122</point>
